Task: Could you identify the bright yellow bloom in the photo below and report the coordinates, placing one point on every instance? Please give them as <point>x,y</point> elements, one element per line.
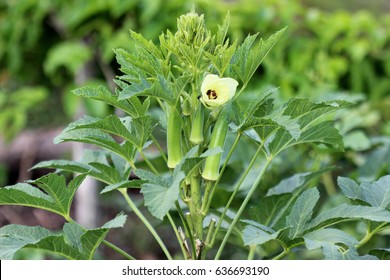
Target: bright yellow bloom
<point>217,91</point>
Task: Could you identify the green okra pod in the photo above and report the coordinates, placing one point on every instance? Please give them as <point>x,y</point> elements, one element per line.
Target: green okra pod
<point>218,136</point>
<point>196,136</point>
<point>174,131</point>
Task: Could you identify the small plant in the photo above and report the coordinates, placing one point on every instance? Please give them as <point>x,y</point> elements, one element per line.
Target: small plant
<point>198,81</point>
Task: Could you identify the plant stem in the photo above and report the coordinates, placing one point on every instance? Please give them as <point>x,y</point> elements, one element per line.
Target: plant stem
<point>328,183</point>
<point>174,227</point>
<point>187,227</point>
<point>159,148</point>
<point>146,222</point>
<point>145,158</point>
<point>251,253</point>
<point>195,207</point>
<point>369,235</point>
<point>282,254</point>
<point>237,187</point>
<point>243,205</point>
<point>118,250</point>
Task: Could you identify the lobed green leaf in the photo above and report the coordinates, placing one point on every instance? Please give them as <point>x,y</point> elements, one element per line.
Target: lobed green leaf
<point>131,106</point>
<point>257,234</point>
<point>301,212</point>
<point>347,212</point>
<point>331,241</point>
<point>160,193</point>
<point>249,55</point>
<point>74,242</point>
<point>53,194</point>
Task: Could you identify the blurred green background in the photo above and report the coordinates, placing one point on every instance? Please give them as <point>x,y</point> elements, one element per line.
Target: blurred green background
<point>333,49</point>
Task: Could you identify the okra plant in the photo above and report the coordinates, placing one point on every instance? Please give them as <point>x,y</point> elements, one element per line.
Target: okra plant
<point>198,82</point>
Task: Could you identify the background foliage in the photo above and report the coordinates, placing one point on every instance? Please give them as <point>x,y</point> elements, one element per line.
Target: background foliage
<point>48,48</point>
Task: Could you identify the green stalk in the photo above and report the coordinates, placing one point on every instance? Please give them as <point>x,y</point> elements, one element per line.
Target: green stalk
<point>369,234</point>
<point>145,222</point>
<point>282,254</point>
<point>251,253</point>
<point>174,132</point>
<point>148,162</point>
<point>195,207</point>
<point>118,250</point>
<point>183,249</point>
<point>159,148</point>
<point>210,231</point>
<point>236,189</point>
<point>242,207</point>
<point>187,226</point>
<point>218,136</point>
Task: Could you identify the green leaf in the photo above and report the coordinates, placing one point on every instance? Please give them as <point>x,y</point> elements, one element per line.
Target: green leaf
<point>277,204</point>
<point>136,89</point>
<point>352,254</point>
<point>271,210</point>
<point>308,112</point>
<point>223,30</point>
<point>357,141</point>
<point>381,253</point>
<point>376,194</point>
<point>350,188</point>
<point>123,184</point>
<point>308,116</point>
<point>107,173</point>
<point>257,234</point>
<point>96,166</point>
<point>348,212</point>
<point>221,60</point>
<point>138,65</point>
<point>322,133</point>
<point>117,222</point>
<point>16,237</point>
<point>376,163</point>
<point>160,193</point>
<point>72,234</point>
<point>191,160</point>
<point>161,89</point>
<point>134,130</point>
<point>302,212</point>
<point>57,197</point>
<point>73,243</point>
<point>72,55</point>
<point>296,181</point>
<point>132,106</point>
<point>98,138</point>
<point>247,58</point>
<point>331,241</point>
<point>66,165</point>
<point>146,44</point>
<point>241,58</point>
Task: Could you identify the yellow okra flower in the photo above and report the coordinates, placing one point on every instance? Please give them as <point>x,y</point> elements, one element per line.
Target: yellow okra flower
<point>217,91</point>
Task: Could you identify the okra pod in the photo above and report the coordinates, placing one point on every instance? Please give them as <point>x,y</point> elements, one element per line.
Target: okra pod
<point>174,131</point>
<point>218,136</point>
<point>196,136</point>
